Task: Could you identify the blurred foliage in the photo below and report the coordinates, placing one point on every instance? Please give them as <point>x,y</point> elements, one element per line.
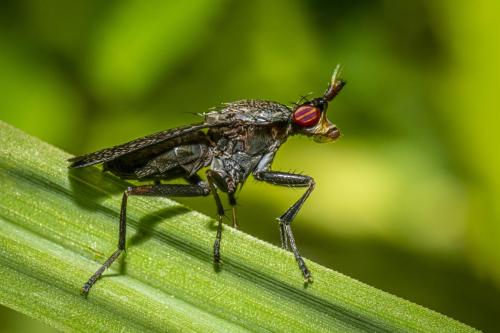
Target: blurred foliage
<point>413,185</point>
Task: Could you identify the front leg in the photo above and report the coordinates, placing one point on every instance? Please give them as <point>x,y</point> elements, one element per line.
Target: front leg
<point>291,180</point>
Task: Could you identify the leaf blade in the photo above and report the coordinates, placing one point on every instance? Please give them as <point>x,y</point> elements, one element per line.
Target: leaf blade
<point>57,227</point>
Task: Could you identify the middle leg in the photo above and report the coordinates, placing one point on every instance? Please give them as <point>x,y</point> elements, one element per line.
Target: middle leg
<point>214,178</point>
<point>232,202</point>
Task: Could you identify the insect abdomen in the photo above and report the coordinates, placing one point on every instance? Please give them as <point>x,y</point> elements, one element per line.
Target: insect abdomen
<point>190,158</point>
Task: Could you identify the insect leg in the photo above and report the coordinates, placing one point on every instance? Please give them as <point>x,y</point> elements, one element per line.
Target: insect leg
<point>291,180</point>
<point>194,179</point>
<point>283,237</point>
<point>214,178</point>
<point>232,202</point>
<point>159,190</point>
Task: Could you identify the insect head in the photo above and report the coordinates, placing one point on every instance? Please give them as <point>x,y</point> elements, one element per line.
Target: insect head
<point>310,118</point>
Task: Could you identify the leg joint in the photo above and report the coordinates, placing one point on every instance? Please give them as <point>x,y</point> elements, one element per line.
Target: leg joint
<point>205,189</point>
<point>258,175</point>
<point>284,222</point>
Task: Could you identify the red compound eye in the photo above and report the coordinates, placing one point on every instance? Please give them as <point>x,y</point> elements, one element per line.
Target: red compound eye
<point>306,116</point>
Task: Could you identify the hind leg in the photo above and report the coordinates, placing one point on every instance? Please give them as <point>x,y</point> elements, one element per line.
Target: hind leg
<point>158,190</point>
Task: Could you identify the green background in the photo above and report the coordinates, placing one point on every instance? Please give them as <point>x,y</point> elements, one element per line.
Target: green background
<point>407,200</point>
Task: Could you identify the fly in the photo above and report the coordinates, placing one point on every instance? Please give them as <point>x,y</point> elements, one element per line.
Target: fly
<point>233,141</point>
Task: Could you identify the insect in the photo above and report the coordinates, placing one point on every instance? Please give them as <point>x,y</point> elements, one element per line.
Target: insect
<point>232,142</point>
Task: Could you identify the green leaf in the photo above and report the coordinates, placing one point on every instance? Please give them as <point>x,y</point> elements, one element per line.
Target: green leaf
<point>138,42</point>
<point>56,228</point>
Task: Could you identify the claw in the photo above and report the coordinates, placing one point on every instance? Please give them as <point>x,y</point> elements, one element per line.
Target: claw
<point>84,291</point>
<point>308,277</point>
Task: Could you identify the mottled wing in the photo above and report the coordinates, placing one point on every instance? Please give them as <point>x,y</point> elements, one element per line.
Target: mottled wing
<point>109,154</point>
<point>254,112</point>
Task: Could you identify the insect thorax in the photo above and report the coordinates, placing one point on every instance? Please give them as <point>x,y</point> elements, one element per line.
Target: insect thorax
<point>238,150</point>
